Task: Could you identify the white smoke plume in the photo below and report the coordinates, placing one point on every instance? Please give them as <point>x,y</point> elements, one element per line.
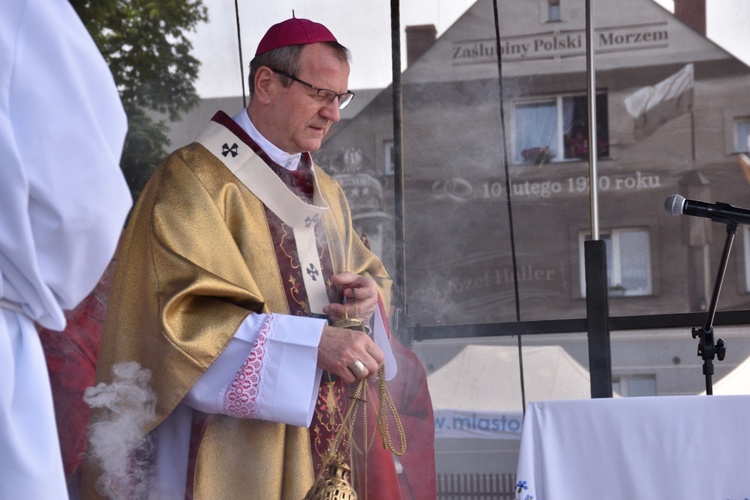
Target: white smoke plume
<point>116,442</point>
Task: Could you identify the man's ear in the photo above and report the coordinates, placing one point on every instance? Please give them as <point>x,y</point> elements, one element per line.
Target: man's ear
<point>264,84</point>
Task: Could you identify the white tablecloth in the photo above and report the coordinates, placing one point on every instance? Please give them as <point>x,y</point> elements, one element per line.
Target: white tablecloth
<point>666,448</point>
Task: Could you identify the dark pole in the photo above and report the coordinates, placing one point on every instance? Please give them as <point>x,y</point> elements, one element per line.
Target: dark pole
<point>508,194</point>
<point>239,47</point>
<point>597,314</point>
<point>398,176</point>
<point>595,251</point>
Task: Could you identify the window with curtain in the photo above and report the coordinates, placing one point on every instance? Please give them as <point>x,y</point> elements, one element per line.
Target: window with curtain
<point>388,155</point>
<point>553,10</point>
<point>742,135</point>
<point>635,385</point>
<point>556,129</point>
<point>628,261</point>
<point>746,255</point>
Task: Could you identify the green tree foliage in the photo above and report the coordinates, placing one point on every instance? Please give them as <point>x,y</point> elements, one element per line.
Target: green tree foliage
<point>145,44</point>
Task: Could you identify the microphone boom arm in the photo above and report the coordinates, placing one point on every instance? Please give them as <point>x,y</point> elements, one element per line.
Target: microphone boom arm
<point>707,349</point>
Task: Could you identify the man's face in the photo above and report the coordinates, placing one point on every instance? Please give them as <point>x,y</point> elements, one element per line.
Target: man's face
<point>300,119</point>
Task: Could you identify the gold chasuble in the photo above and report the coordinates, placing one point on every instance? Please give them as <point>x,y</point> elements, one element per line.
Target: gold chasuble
<point>202,250</point>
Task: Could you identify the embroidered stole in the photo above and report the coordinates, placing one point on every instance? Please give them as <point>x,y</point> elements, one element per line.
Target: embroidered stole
<point>301,250</point>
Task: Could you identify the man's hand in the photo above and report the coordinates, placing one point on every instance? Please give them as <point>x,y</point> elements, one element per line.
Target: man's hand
<point>359,290</point>
<point>341,348</point>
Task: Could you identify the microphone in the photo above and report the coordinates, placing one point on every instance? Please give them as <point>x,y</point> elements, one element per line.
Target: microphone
<point>717,212</point>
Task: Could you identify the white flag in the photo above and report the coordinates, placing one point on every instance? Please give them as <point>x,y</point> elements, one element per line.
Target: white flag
<point>655,105</point>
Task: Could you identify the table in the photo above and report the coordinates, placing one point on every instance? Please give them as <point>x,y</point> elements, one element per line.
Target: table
<point>666,448</point>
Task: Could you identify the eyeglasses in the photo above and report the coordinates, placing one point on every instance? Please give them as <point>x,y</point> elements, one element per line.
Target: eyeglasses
<point>323,94</point>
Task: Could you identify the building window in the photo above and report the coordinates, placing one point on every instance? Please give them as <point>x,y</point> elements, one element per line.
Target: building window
<point>742,135</point>
<point>556,129</point>
<point>553,10</point>
<point>746,245</point>
<point>388,155</point>
<point>635,386</point>
<point>628,262</point>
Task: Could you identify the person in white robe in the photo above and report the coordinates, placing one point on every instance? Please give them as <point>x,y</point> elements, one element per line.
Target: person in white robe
<point>63,203</point>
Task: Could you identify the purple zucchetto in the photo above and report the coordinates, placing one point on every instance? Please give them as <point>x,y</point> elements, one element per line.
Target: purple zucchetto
<point>294,31</point>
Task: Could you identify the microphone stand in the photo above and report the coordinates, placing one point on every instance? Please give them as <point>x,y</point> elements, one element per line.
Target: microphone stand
<point>707,349</point>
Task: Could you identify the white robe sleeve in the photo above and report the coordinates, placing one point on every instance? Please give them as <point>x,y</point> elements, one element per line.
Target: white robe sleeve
<point>63,198</point>
<point>269,370</point>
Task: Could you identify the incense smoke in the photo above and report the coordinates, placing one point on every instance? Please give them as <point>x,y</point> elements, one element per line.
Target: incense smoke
<point>116,441</point>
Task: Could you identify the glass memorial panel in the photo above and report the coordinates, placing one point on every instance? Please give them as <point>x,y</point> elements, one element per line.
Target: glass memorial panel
<point>489,177</point>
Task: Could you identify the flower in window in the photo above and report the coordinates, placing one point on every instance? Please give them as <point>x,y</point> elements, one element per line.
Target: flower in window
<point>537,155</point>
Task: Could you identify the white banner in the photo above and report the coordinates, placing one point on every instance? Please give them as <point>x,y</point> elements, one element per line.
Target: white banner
<point>478,424</point>
<point>647,98</point>
<point>654,106</point>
